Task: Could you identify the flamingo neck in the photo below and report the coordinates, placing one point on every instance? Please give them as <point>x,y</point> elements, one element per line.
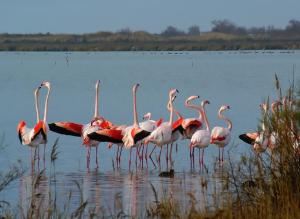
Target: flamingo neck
<point>221,116</point>
<point>203,112</point>
<point>171,111</point>
<point>175,111</point>
<point>36,97</point>
<point>135,116</point>
<point>96,112</point>
<point>46,105</point>
<point>192,106</point>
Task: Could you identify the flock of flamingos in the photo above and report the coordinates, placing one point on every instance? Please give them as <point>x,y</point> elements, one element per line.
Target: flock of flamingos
<point>139,134</point>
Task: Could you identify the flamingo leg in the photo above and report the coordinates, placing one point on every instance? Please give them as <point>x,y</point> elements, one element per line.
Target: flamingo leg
<point>44,152</point>
<point>152,151</point>
<point>202,159</point>
<point>219,154</point>
<point>120,155</point>
<point>130,157</point>
<point>222,154</point>
<point>97,156</point>
<point>193,157</point>
<point>117,155</point>
<point>167,154</point>
<point>146,153</point>
<point>171,152</point>
<point>176,148</point>
<point>159,154</point>
<point>142,157</point>
<point>199,158</point>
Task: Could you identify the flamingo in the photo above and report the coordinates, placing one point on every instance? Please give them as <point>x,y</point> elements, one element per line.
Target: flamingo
<point>263,140</point>
<point>163,134</point>
<point>84,131</point>
<point>149,125</point>
<point>133,135</point>
<point>191,125</point>
<point>33,137</point>
<point>220,136</point>
<point>201,138</point>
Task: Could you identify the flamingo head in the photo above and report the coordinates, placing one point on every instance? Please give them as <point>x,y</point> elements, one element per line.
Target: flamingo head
<point>45,84</point>
<point>97,121</point>
<point>147,116</point>
<point>224,107</point>
<point>204,102</point>
<point>173,93</point>
<point>36,91</point>
<point>97,84</point>
<point>135,87</point>
<point>192,98</point>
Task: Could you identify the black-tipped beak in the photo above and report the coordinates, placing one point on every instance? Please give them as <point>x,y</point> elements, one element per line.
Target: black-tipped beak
<point>177,91</point>
<point>207,102</point>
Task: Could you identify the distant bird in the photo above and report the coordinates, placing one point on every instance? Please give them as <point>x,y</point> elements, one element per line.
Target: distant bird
<point>168,174</point>
<point>201,138</point>
<point>33,137</point>
<point>220,136</point>
<point>163,134</point>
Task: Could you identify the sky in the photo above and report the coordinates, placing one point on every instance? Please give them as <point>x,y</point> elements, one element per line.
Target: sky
<point>79,16</point>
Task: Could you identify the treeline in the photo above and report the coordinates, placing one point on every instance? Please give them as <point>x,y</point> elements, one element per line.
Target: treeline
<point>224,35</point>
<point>291,30</point>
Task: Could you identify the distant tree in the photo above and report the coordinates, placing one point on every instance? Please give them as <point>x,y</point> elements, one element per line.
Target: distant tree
<point>194,30</point>
<point>172,31</point>
<point>226,26</point>
<point>293,26</point>
<point>125,31</point>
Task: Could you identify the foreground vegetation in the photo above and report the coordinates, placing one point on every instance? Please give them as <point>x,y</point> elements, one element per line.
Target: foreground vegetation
<point>259,186</point>
<point>224,35</point>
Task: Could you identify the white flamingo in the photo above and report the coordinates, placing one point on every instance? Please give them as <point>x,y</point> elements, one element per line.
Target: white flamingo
<point>220,136</point>
<point>201,138</point>
<point>163,134</point>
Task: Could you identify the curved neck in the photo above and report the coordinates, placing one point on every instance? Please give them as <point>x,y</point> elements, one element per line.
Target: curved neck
<point>203,113</point>
<point>96,112</point>
<point>195,107</point>
<point>135,116</point>
<point>46,105</point>
<point>36,97</point>
<point>221,116</point>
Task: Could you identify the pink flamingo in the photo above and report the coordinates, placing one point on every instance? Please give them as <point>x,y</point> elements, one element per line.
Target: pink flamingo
<point>87,130</point>
<point>163,134</point>
<point>220,136</point>
<point>201,138</point>
<point>133,135</point>
<point>33,137</point>
<point>191,125</point>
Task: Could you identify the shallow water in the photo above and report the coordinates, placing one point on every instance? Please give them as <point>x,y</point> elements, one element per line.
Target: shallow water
<point>240,79</point>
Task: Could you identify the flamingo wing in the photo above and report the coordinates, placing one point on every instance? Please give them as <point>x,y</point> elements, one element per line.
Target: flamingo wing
<point>191,123</point>
<point>66,128</point>
<point>249,138</point>
<point>177,126</point>
<point>139,134</point>
<point>107,135</point>
<point>39,128</point>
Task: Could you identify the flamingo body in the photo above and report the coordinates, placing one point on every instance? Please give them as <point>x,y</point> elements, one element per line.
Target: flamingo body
<point>32,137</point>
<point>220,136</point>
